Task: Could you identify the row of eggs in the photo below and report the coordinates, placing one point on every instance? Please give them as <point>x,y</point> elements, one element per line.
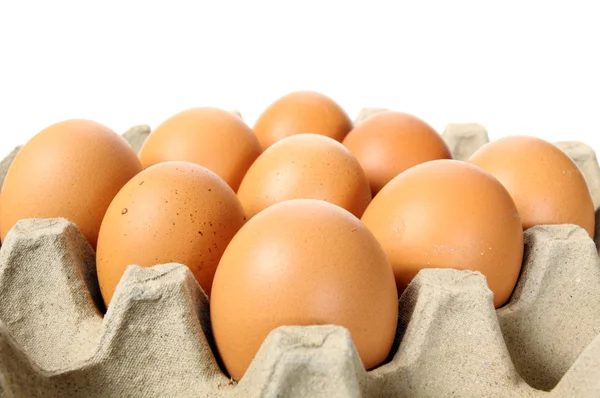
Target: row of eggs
<point>317,219</point>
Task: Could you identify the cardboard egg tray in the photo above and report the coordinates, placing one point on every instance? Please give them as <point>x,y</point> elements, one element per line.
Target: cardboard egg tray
<point>155,339</point>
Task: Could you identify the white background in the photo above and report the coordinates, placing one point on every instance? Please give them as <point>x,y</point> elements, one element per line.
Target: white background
<point>517,67</point>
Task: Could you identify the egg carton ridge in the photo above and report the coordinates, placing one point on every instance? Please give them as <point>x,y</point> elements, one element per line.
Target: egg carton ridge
<point>155,337</point>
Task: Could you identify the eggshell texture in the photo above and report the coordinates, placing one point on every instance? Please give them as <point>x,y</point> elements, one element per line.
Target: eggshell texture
<point>305,166</point>
<point>303,262</point>
<point>71,169</point>
<point>449,214</point>
<point>170,212</point>
<point>209,137</point>
<point>544,182</point>
<point>302,112</point>
<point>391,142</point>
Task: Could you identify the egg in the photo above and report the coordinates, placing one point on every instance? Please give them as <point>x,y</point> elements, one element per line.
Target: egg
<point>210,137</point>
<point>305,166</point>
<point>302,112</point>
<point>546,185</point>
<point>302,262</point>
<point>389,143</point>
<point>71,169</point>
<point>170,212</point>
<point>449,214</point>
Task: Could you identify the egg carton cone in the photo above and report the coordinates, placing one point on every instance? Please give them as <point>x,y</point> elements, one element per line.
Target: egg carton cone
<point>463,139</point>
<point>155,340</point>
<point>136,136</point>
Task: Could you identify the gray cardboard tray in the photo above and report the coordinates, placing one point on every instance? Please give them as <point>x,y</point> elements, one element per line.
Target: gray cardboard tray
<point>155,339</point>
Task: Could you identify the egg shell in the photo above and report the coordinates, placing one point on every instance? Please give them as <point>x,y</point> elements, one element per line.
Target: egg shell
<point>449,214</point>
<point>71,169</point>
<point>207,136</point>
<point>302,112</point>
<point>303,262</point>
<point>305,166</point>
<point>546,185</point>
<point>170,212</point>
<point>389,143</point>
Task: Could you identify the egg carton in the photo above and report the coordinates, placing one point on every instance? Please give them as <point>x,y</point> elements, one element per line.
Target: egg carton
<point>155,340</point>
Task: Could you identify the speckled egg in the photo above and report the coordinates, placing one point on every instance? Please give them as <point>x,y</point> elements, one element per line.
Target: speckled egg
<point>170,212</point>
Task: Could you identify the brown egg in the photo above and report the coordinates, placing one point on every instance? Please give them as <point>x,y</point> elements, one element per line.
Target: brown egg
<point>209,137</point>
<point>544,182</point>
<point>305,166</point>
<point>302,112</point>
<point>302,262</point>
<point>449,214</point>
<point>170,212</point>
<point>391,142</point>
<point>71,169</point>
